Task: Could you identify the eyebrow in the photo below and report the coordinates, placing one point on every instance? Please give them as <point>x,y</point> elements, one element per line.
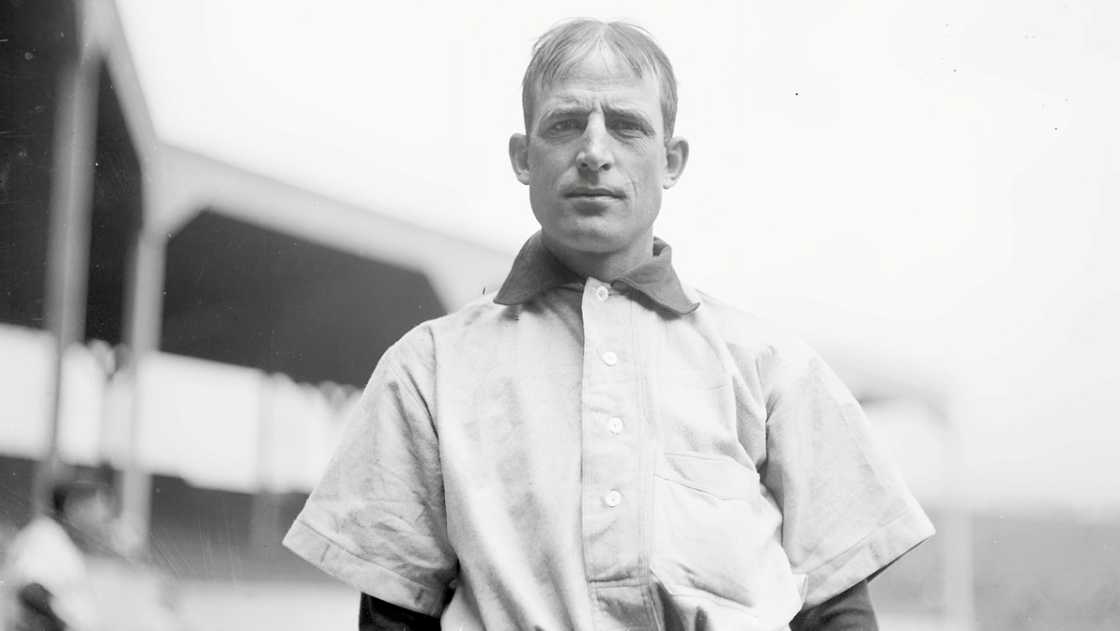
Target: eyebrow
<point>564,110</point>
<point>574,107</point>
<point>625,112</point>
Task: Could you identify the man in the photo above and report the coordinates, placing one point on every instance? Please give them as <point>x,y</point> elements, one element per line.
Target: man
<point>45,579</point>
<point>599,446</point>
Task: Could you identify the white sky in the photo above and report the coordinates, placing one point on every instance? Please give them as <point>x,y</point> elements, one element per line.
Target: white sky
<point>938,182</point>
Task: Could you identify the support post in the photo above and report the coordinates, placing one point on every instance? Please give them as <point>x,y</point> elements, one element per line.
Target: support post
<point>68,246</point>
<point>263,524</point>
<point>144,305</point>
<point>956,531</point>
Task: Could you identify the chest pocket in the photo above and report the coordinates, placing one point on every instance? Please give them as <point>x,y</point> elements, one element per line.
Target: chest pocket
<point>696,413</point>
<point>717,535</point>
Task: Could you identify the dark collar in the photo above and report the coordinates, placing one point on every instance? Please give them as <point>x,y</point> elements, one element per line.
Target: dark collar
<point>536,270</point>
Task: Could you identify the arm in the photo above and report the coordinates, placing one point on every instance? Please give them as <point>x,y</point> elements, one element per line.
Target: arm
<point>378,615</point>
<point>846,511</point>
<point>847,611</point>
<point>38,608</point>
<point>377,518</point>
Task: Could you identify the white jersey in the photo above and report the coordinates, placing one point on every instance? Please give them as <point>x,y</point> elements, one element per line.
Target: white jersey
<point>43,553</point>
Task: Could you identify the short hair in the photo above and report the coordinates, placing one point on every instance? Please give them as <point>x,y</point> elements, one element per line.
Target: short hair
<point>570,42</point>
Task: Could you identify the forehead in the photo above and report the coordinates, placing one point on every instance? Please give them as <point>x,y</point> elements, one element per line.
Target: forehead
<point>600,78</point>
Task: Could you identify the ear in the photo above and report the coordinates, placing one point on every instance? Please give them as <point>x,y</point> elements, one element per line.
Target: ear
<point>676,157</point>
<point>519,156</point>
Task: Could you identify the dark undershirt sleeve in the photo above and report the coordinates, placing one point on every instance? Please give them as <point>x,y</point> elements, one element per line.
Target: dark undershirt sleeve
<point>847,611</point>
<point>378,615</point>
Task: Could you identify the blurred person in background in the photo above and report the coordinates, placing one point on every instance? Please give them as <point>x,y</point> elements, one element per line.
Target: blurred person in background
<point>73,568</point>
<point>599,446</point>
<point>46,582</point>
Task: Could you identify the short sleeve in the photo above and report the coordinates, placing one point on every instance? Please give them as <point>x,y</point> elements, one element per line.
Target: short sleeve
<point>846,513</point>
<point>376,520</point>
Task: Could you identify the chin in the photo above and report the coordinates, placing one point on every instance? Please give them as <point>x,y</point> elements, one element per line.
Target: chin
<point>599,233</point>
<point>591,238</point>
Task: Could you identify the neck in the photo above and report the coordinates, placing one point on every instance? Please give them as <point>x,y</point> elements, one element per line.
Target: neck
<point>605,266</point>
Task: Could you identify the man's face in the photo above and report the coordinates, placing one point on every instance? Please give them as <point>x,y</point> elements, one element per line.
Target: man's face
<point>596,159</point>
<point>91,517</point>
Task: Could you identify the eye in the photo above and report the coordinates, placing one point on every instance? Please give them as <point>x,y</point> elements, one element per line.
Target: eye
<point>564,125</point>
<point>628,127</point>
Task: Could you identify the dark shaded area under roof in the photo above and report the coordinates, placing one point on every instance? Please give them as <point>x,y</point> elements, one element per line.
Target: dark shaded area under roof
<point>40,38</point>
<point>247,295</point>
<point>115,218</point>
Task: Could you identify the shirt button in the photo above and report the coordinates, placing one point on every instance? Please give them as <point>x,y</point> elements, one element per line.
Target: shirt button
<point>612,498</point>
<point>610,358</point>
<point>602,293</point>
<point>615,425</point>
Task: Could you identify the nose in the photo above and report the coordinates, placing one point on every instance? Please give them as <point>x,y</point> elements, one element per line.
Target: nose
<point>595,153</point>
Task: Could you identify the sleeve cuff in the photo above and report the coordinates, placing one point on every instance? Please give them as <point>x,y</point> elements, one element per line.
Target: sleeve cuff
<point>874,552</point>
<point>366,576</point>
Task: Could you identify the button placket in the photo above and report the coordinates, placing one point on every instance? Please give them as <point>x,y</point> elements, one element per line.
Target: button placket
<point>608,477</point>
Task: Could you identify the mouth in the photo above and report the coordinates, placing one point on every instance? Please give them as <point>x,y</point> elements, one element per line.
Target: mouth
<point>593,192</point>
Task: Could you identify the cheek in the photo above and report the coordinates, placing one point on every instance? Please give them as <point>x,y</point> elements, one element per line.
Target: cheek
<point>648,182</point>
<point>546,158</point>
<point>646,164</point>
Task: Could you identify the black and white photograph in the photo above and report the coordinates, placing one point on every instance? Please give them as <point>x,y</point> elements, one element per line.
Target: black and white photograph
<point>559,316</point>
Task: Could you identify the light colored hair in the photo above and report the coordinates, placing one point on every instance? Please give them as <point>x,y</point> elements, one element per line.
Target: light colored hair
<point>570,42</point>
